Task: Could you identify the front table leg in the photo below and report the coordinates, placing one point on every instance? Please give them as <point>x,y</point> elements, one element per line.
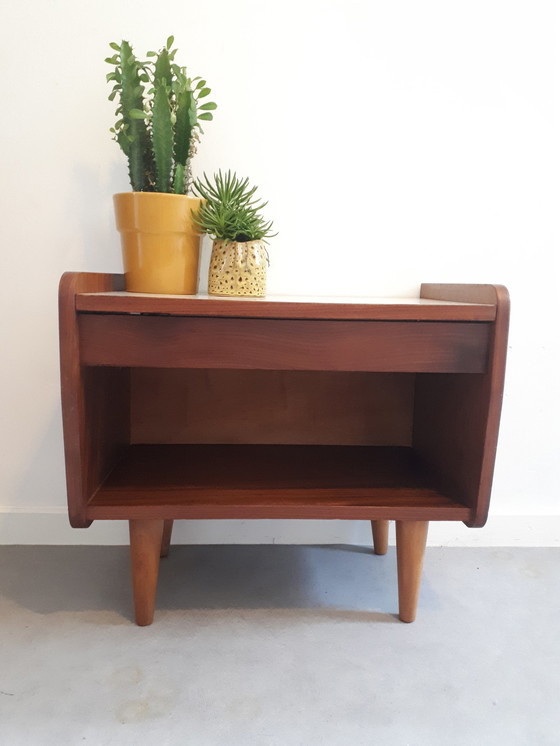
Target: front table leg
<point>145,546</point>
<point>411,543</point>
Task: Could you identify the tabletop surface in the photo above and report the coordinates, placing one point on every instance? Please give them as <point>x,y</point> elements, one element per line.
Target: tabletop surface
<point>286,306</point>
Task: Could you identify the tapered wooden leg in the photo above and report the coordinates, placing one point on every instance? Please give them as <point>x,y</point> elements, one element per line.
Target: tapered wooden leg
<point>145,546</point>
<point>380,531</point>
<point>166,538</point>
<point>411,543</point>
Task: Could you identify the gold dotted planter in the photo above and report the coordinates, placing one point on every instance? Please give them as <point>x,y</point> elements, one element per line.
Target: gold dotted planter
<point>238,268</point>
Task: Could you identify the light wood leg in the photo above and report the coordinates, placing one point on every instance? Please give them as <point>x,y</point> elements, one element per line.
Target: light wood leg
<point>166,538</point>
<point>380,531</point>
<point>411,543</point>
<point>145,546</point>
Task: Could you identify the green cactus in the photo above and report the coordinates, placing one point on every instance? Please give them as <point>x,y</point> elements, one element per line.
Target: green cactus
<point>184,126</point>
<point>157,129</point>
<point>162,138</point>
<point>130,132</point>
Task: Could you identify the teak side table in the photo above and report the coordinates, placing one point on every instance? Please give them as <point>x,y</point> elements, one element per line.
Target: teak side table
<point>180,407</point>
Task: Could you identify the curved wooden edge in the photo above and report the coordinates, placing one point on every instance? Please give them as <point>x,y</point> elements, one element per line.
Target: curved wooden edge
<point>498,295</point>
<point>72,384</point>
<point>72,283</point>
<point>462,293</point>
<point>496,373</point>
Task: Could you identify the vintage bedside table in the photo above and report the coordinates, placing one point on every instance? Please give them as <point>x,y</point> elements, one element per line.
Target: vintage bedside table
<point>180,407</point>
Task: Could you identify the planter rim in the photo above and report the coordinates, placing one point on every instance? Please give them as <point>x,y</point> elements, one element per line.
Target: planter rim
<point>239,243</point>
<point>154,194</point>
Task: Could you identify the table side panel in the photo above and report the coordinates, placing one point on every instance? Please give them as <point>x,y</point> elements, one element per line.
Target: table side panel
<point>456,418</point>
<point>94,402</point>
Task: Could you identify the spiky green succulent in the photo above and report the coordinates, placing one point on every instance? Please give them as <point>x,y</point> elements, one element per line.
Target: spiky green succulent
<point>159,113</point>
<point>229,211</point>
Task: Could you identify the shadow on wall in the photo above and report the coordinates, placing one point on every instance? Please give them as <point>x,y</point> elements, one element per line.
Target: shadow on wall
<point>354,585</point>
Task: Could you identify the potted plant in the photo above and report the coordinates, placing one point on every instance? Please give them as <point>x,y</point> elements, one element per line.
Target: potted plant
<point>158,125</point>
<point>231,216</point>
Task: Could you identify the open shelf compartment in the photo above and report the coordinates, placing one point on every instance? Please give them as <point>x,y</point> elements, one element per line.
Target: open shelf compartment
<point>271,481</point>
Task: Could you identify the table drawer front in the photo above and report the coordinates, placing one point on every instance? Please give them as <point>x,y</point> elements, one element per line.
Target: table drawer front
<point>280,344</point>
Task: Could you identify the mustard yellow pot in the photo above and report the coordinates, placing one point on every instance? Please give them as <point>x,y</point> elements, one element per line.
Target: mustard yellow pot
<point>238,268</point>
<point>160,243</point>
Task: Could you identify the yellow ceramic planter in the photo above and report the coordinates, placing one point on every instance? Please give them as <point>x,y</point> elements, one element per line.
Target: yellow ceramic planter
<point>160,243</point>
<point>238,268</point>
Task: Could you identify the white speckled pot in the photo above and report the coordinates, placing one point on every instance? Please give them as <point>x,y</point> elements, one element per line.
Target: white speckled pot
<point>238,268</point>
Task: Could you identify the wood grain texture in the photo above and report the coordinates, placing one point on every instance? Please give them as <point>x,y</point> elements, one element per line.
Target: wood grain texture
<point>145,544</point>
<point>456,418</point>
<point>411,544</point>
<point>277,407</point>
<point>380,531</point>
<point>384,309</point>
<point>256,481</point>
<point>272,344</point>
<point>94,403</point>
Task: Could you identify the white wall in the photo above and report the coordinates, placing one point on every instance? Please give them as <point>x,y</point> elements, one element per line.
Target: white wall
<point>397,142</point>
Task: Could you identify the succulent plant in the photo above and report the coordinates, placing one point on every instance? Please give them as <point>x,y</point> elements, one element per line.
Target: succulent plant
<point>159,116</point>
<point>229,211</point>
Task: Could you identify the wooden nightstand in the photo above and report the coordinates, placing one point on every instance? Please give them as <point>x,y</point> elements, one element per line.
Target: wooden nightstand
<point>180,407</point>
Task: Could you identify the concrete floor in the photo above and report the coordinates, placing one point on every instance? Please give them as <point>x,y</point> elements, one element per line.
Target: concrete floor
<point>279,645</point>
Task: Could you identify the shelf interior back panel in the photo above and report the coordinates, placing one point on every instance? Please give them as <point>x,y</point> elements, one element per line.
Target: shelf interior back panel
<point>271,481</point>
<point>271,407</point>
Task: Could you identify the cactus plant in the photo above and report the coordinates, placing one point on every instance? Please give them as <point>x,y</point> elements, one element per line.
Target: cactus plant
<point>229,211</point>
<point>231,215</point>
<point>159,113</point>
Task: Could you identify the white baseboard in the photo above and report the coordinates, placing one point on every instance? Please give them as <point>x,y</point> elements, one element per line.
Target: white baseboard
<point>50,526</point>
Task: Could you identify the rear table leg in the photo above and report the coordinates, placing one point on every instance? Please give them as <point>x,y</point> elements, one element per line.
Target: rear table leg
<point>380,531</point>
<point>166,539</point>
